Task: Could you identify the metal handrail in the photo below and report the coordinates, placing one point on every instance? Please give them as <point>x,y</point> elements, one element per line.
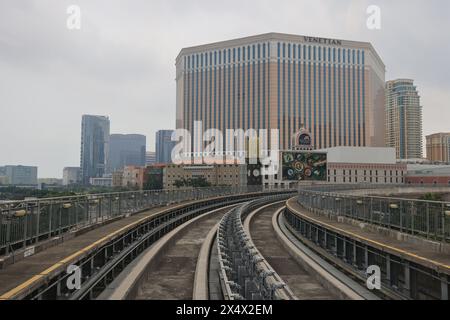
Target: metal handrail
<point>23,223</point>
<point>428,219</point>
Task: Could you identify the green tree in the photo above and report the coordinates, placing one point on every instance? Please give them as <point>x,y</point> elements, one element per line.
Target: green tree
<point>196,182</point>
<point>432,196</point>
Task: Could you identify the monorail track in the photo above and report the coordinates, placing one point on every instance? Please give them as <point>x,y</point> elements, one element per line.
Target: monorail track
<point>172,277</point>
<point>302,283</point>
<point>181,264</point>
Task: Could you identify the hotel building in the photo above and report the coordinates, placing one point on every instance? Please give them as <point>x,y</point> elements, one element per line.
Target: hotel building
<point>403,119</point>
<point>438,147</point>
<point>332,88</point>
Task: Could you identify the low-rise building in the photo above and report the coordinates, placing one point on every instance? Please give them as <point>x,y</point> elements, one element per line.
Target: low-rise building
<point>153,177</point>
<point>49,183</point>
<point>4,180</point>
<point>117,178</point>
<point>133,177</point>
<point>428,175</point>
<point>71,175</point>
<point>20,175</point>
<point>105,181</point>
<point>339,165</point>
<point>364,165</point>
<point>216,175</point>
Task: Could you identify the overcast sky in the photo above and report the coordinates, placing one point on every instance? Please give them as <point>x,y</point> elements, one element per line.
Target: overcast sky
<point>121,62</point>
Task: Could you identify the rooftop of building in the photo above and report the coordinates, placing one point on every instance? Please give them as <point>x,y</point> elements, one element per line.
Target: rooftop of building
<point>374,155</point>
<point>428,170</point>
<point>400,80</point>
<point>279,37</point>
<point>438,134</point>
<point>95,116</point>
<point>127,135</point>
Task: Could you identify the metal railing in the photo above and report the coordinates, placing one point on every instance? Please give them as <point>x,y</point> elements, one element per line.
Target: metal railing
<point>100,266</point>
<point>23,223</point>
<point>244,274</point>
<point>428,219</point>
<point>400,277</point>
<point>327,187</point>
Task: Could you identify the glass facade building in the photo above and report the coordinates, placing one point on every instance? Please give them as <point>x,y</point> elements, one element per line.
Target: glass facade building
<point>94,147</point>
<point>334,88</point>
<point>126,150</point>
<point>20,175</point>
<point>164,146</point>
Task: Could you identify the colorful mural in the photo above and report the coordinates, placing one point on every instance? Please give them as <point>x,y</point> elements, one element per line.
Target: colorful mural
<point>304,166</point>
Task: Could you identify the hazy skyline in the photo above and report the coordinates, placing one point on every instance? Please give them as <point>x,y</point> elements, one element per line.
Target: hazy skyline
<point>122,61</point>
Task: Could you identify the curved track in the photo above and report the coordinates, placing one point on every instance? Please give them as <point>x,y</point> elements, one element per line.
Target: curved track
<point>303,284</point>
<point>172,277</point>
<point>178,266</point>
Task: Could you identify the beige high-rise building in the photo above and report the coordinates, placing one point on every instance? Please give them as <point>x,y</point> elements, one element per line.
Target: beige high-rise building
<point>403,119</point>
<point>438,147</point>
<point>335,88</point>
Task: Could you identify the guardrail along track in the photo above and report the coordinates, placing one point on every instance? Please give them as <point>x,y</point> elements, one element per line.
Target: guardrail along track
<point>23,223</point>
<point>244,273</point>
<point>304,285</point>
<point>426,219</point>
<point>100,266</point>
<point>404,275</point>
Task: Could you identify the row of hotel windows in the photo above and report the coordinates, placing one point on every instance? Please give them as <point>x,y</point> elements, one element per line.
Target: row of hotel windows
<point>258,51</point>
<point>365,172</point>
<point>326,54</point>
<point>195,104</point>
<point>370,179</point>
<point>215,58</point>
<point>353,88</point>
<point>206,176</point>
<point>353,176</point>
<point>391,176</point>
<point>218,109</point>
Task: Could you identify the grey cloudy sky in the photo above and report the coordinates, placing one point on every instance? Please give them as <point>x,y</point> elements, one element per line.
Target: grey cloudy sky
<point>121,62</point>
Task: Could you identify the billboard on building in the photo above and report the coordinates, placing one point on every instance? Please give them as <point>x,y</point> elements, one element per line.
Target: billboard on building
<point>304,166</point>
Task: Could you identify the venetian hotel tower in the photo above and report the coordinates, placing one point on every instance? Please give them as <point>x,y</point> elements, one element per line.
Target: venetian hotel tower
<point>334,88</point>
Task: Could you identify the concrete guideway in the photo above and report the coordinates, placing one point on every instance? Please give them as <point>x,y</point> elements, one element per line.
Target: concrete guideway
<point>331,278</point>
<point>202,271</point>
<point>42,265</point>
<point>38,271</point>
<point>172,268</point>
<point>414,251</point>
<point>302,282</point>
<point>411,267</point>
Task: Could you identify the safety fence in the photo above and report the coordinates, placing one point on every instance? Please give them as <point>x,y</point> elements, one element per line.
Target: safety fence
<point>428,219</point>
<point>27,222</point>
